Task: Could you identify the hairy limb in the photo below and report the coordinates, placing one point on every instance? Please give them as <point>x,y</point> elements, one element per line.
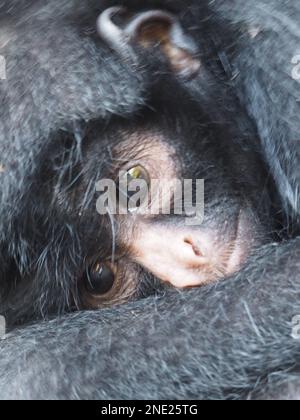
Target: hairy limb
<point>59,73</point>
<point>265,67</point>
<point>232,340</point>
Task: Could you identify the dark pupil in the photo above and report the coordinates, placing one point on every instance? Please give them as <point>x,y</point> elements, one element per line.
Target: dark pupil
<point>100,279</point>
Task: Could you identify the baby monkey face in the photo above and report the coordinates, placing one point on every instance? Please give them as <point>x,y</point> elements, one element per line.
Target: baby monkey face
<point>180,224</point>
<point>174,196</point>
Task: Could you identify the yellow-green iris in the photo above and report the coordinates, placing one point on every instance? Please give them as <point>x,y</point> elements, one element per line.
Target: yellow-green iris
<point>138,172</point>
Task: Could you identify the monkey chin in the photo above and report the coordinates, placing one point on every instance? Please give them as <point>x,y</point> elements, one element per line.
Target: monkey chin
<point>190,257</point>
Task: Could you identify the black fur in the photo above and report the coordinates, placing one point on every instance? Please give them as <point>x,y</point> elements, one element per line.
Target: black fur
<point>47,235</point>
<point>228,341</point>
<point>263,68</point>
<point>232,340</point>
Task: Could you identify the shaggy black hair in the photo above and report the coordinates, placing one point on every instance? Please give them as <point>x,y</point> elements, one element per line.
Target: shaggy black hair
<point>233,340</point>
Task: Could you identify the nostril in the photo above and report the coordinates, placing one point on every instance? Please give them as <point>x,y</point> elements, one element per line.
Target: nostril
<point>194,246</point>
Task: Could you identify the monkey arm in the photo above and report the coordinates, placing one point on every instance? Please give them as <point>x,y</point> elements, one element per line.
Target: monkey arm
<point>230,340</point>
<point>56,76</point>
<point>266,67</point>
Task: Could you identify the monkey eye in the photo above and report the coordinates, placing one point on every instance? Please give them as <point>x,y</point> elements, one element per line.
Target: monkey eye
<point>100,278</point>
<point>128,189</point>
<point>138,173</point>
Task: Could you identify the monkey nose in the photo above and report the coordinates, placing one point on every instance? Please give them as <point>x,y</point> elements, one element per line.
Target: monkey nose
<point>182,258</point>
